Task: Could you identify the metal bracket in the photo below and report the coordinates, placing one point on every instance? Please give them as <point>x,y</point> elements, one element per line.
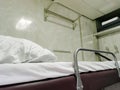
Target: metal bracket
<point>47,11</point>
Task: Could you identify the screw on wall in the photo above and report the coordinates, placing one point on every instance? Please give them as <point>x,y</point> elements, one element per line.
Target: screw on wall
<point>107,49</point>
<point>116,49</point>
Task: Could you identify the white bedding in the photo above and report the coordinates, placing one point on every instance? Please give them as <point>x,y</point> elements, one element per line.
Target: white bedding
<point>17,73</point>
<point>17,50</point>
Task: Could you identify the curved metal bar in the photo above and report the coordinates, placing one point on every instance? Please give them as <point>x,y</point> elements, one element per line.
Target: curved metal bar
<point>79,85</point>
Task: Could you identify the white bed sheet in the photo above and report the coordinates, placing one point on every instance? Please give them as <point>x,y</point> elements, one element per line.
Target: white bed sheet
<point>18,73</point>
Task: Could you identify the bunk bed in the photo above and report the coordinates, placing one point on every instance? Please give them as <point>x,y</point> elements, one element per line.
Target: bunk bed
<point>30,75</point>
<point>88,80</point>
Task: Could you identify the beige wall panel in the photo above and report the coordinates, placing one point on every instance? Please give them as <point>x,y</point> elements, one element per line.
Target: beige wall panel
<point>88,28</point>
<point>110,42</point>
<point>46,34</point>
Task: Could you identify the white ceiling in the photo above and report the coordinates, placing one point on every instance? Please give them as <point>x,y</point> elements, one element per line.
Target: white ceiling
<point>92,8</point>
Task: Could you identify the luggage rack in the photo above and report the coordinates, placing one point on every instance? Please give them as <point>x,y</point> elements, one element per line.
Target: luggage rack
<point>51,13</point>
<point>79,85</point>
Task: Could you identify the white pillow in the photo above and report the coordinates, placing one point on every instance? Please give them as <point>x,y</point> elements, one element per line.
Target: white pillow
<point>16,50</point>
<point>35,53</point>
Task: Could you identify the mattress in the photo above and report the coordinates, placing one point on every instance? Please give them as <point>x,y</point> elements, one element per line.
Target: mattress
<point>25,72</point>
<point>91,81</point>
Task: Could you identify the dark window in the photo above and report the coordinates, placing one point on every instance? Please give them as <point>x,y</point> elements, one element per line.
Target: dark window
<point>108,21</point>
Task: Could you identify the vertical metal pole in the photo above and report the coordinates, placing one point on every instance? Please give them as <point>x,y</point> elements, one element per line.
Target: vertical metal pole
<point>116,64</point>
<point>79,85</point>
<point>81,37</point>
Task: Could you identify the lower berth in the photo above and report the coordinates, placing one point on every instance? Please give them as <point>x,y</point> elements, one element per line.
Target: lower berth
<point>60,75</point>
<point>26,72</point>
<point>57,76</point>
<point>91,81</point>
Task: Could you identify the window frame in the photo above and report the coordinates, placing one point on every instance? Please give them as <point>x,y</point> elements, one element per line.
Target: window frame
<point>106,17</point>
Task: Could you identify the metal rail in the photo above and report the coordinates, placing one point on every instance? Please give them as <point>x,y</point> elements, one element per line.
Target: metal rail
<point>79,85</point>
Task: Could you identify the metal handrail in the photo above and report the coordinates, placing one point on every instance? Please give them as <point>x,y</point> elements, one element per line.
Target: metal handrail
<point>79,85</point>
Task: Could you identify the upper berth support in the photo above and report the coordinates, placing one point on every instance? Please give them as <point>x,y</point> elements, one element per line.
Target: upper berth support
<point>79,85</point>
